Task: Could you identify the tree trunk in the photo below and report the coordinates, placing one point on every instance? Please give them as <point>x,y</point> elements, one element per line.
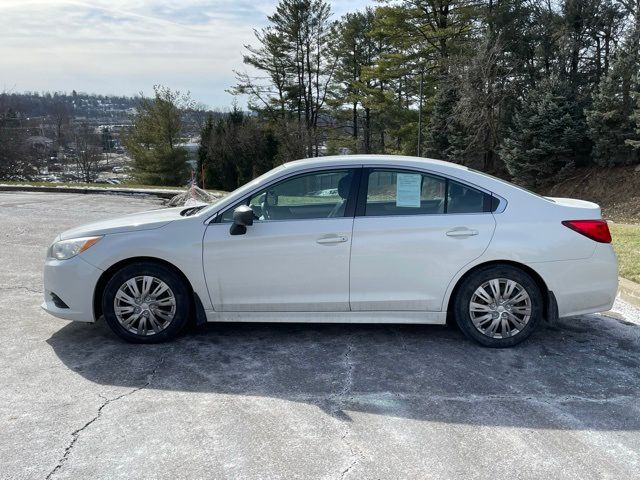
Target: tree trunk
<point>355,120</point>
<point>367,130</point>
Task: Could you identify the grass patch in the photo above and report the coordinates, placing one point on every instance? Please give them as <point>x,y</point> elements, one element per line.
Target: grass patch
<point>626,243</point>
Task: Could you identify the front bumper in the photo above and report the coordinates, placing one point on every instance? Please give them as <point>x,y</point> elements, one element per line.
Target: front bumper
<point>73,281</point>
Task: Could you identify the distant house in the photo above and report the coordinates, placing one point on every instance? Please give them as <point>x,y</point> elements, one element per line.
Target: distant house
<point>40,144</point>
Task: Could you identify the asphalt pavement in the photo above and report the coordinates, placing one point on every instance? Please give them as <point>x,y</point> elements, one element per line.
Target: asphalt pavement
<point>298,401</point>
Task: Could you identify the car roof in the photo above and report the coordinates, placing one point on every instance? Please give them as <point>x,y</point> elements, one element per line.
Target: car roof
<point>373,159</point>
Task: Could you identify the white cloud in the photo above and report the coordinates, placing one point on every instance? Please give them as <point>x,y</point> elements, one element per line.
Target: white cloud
<point>125,46</point>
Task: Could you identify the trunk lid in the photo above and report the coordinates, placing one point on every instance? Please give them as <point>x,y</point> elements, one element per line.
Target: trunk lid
<point>578,209</point>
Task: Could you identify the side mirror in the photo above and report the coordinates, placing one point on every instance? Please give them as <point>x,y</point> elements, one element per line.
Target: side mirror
<point>242,218</point>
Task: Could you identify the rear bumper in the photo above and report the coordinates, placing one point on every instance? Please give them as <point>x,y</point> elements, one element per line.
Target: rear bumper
<point>582,286</point>
<point>73,281</point>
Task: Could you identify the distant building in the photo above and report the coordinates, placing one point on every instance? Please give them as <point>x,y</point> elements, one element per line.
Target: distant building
<point>40,144</point>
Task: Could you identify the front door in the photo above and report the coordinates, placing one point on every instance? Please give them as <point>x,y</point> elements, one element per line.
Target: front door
<point>295,256</point>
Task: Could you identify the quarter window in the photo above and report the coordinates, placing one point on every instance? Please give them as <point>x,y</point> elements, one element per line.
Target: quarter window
<point>464,199</point>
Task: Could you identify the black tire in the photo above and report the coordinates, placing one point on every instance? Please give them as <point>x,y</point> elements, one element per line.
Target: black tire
<point>477,279</point>
<point>181,294</point>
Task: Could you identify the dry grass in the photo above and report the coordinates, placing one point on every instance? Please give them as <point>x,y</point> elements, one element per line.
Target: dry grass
<point>626,243</point>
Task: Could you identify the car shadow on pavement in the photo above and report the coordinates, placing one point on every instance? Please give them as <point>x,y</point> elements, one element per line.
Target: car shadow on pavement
<point>583,373</point>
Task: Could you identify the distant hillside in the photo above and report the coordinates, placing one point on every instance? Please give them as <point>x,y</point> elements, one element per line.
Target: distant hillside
<point>94,108</point>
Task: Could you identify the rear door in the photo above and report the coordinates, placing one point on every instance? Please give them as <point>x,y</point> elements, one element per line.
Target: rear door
<point>412,233</point>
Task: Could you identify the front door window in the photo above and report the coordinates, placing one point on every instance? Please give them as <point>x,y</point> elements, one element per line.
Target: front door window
<point>322,194</point>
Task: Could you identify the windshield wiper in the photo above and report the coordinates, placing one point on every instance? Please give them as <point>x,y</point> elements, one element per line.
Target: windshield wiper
<point>191,210</point>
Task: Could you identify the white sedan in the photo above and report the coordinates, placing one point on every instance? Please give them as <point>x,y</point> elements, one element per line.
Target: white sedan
<point>375,239</point>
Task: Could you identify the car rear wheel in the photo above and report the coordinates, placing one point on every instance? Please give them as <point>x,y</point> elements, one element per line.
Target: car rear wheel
<point>146,303</point>
<point>498,306</point>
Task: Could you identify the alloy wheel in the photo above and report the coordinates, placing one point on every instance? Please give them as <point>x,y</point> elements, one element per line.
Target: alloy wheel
<point>500,308</point>
<point>144,305</point>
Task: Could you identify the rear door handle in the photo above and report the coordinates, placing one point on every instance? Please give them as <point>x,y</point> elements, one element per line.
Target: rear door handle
<point>328,240</point>
<point>462,232</point>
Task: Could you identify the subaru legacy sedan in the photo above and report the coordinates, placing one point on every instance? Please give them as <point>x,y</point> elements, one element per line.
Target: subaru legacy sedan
<point>348,239</point>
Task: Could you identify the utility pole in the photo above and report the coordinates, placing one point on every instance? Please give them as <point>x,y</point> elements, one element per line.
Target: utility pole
<point>420,112</point>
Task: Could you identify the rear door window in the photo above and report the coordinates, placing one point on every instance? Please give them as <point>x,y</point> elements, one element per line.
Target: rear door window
<point>404,192</point>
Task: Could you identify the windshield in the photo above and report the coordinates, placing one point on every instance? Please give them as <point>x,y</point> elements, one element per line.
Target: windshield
<point>240,191</point>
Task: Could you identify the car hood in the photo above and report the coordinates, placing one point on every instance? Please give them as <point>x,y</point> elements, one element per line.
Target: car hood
<point>127,223</point>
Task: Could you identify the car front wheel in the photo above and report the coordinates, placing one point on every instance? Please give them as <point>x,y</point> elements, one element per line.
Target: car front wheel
<point>146,303</point>
<point>498,306</point>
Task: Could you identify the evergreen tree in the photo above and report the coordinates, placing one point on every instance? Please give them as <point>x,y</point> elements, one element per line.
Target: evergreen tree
<point>296,68</point>
<point>547,138</point>
<point>611,119</point>
<point>441,130</point>
<point>635,142</point>
<point>236,149</point>
<point>355,49</point>
<point>153,142</point>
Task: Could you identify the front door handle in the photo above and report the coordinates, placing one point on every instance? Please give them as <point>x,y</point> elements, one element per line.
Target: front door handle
<point>462,232</point>
<point>331,239</point>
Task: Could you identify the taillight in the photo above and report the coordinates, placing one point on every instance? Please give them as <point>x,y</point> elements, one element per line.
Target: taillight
<point>597,230</point>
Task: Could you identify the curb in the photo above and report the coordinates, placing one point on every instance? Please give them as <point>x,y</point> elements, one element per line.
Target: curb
<point>99,191</point>
<point>629,291</point>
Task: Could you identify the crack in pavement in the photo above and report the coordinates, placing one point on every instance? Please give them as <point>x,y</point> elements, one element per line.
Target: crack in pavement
<point>75,435</point>
<point>20,287</point>
<point>339,402</point>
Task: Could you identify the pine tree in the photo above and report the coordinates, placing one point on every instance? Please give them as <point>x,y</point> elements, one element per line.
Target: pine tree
<point>635,142</point>
<point>547,138</point>
<point>296,68</point>
<point>612,126</point>
<point>355,49</point>
<point>236,149</point>
<point>440,132</point>
<point>154,139</point>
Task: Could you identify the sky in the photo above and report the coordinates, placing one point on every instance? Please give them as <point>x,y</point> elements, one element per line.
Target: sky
<point>124,47</point>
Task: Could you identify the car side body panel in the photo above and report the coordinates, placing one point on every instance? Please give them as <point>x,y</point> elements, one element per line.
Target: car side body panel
<point>294,265</point>
<point>406,262</point>
<point>178,243</point>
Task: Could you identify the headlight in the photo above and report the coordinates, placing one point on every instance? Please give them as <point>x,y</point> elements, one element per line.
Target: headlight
<point>65,249</point>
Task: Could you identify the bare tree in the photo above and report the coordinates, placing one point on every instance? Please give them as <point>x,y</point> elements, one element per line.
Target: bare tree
<point>16,159</point>
<point>61,115</point>
<point>89,149</point>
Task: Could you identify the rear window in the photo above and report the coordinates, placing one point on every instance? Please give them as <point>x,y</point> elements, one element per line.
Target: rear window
<point>513,185</point>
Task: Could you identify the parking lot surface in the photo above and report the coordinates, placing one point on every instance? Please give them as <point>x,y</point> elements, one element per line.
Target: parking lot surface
<point>295,400</point>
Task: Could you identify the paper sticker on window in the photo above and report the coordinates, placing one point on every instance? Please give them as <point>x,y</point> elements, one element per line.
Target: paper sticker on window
<point>408,190</point>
